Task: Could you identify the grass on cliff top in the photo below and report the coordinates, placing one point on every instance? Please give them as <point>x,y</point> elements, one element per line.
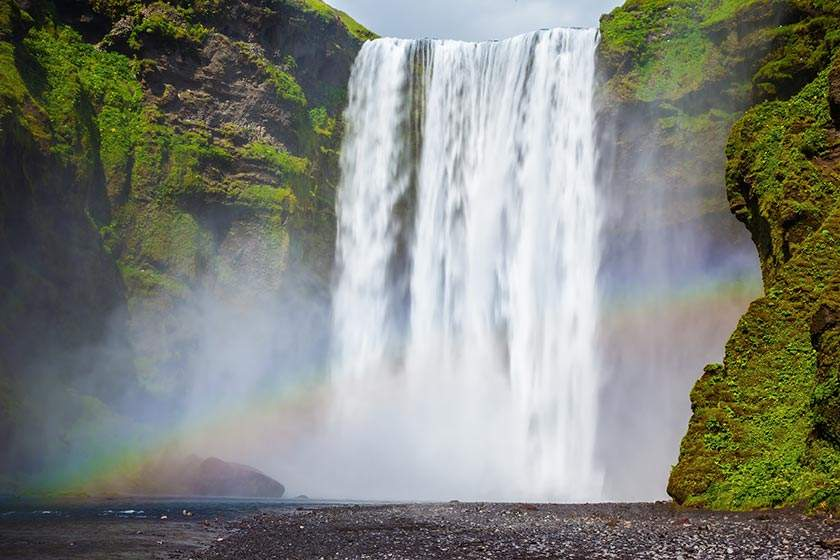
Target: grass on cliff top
<point>721,10</point>
<point>326,11</point>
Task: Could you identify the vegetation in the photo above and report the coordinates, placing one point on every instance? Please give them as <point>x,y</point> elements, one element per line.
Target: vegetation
<point>267,197</point>
<point>284,163</point>
<point>322,123</point>
<point>665,49</point>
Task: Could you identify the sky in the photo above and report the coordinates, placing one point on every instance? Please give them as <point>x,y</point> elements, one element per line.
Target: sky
<point>471,20</point>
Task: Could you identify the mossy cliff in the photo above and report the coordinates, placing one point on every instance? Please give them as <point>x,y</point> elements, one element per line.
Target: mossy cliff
<point>678,73</point>
<point>150,150</point>
<point>765,424</point>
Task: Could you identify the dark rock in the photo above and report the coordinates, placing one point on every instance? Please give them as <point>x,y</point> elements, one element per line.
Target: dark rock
<point>215,477</point>
<point>834,91</point>
<point>194,476</point>
<point>827,317</point>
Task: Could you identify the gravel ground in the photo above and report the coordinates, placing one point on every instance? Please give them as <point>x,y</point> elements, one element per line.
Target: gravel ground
<point>100,539</point>
<point>517,531</point>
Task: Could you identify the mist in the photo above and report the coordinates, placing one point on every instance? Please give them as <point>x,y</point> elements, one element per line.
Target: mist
<point>215,372</point>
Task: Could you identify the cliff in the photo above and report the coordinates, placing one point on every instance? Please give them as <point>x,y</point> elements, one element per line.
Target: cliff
<point>764,425</point>
<point>153,152</point>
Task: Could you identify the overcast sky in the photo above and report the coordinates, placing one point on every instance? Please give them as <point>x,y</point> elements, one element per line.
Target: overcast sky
<point>471,20</point>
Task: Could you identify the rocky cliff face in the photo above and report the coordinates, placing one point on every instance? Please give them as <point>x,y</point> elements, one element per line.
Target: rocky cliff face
<point>764,426</point>
<point>152,152</point>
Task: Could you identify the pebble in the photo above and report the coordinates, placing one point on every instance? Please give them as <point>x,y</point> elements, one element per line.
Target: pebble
<point>520,531</point>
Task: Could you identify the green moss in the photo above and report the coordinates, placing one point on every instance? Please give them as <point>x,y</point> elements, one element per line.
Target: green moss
<point>680,69</point>
<point>773,165</point>
<point>163,238</point>
<point>285,164</point>
<point>656,47</point>
<point>53,79</point>
<point>12,87</point>
<point>91,99</point>
<point>717,12</point>
<point>668,49</point>
<point>329,13</point>
<point>166,22</point>
<point>13,20</point>
<point>321,121</point>
<point>804,49</point>
<point>143,282</point>
<point>267,197</point>
<point>284,83</point>
<point>171,164</point>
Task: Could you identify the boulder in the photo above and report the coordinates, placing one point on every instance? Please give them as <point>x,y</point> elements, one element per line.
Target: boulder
<point>169,475</point>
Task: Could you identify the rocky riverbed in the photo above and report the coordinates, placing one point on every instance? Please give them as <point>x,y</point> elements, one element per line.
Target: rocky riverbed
<point>289,531</point>
<point>519,531</point>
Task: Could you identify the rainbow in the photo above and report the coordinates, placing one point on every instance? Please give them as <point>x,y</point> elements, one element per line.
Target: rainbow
<point>101,463</point>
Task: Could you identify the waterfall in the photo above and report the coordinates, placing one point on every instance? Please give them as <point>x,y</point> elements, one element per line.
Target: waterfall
<point>464,361</point>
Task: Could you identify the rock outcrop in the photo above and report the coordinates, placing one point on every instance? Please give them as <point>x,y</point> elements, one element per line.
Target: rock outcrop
<point>195,476</point>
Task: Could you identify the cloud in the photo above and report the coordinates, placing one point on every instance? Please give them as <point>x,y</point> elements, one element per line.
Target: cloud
<point>472,20</point>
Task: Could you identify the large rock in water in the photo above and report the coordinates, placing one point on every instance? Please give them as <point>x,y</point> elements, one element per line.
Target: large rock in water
<point>195,476</point>
<point>214,477</point>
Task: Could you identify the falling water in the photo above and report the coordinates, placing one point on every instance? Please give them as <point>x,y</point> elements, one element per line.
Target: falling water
<point>465,308</point>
